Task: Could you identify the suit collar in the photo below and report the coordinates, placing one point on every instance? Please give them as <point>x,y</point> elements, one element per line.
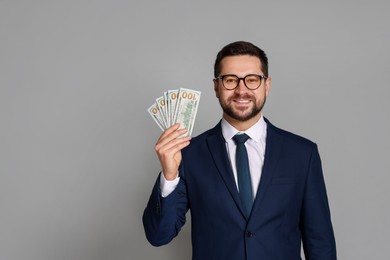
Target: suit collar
<point>257,132</point>
<point>274,146</point>
<point>217,148</point>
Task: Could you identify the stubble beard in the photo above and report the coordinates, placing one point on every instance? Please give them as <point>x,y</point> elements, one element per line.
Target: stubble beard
<point>229,110</point>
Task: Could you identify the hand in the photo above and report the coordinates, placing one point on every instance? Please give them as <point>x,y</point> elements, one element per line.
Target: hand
<point>168,149</point>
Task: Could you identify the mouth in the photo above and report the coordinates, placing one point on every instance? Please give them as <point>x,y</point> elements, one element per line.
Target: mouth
<point>242,101</point>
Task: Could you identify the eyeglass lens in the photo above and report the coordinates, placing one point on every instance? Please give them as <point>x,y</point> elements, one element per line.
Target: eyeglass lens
<point>250,81</point>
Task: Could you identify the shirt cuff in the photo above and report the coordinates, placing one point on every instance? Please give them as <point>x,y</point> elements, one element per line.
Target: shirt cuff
<point>167,186</point>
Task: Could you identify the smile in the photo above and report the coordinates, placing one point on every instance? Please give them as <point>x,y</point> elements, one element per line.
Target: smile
<point>242,101</point>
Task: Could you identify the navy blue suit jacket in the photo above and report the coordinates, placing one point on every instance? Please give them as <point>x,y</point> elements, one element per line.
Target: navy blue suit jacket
<point>290,207</point>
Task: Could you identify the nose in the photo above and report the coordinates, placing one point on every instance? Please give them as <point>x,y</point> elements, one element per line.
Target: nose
<point>241,86</point>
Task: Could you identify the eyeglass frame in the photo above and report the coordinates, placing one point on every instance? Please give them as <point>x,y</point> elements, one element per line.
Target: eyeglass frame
<point>239,79</point>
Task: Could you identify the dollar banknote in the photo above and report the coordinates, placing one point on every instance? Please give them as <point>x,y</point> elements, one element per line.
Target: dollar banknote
<point>176,106</point>
<point>154,111</point>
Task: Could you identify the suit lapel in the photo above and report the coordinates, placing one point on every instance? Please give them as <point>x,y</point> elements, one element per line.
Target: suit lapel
<point>273,148</point>
<point>217,147</point>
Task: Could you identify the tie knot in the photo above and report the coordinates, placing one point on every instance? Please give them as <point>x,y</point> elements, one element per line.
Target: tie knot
<point>240,138</point>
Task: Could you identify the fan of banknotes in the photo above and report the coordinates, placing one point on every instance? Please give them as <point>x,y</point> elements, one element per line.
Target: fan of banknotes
<point>176,106</point>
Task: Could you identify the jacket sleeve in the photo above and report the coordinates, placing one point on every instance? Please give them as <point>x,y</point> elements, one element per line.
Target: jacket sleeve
<point>317,231</point>
<point>163,218</point>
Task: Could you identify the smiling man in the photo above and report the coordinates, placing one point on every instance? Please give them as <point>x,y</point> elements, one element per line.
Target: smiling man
<point>254,191</point>
<point>238,74</point>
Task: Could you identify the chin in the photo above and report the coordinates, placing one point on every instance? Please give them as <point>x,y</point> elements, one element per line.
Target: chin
<point>241,113</point>
<point>242,117</point>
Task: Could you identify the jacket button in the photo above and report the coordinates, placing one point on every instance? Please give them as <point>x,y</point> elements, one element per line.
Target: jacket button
<point>249,233</point>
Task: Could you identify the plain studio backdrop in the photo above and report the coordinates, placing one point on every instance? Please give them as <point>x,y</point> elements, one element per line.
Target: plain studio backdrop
<point>77,160</point>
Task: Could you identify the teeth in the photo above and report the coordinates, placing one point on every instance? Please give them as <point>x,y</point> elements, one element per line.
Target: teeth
<point>242,101</point>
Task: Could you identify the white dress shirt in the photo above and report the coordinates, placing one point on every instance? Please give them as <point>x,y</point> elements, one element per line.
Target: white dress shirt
<point>255,146</point>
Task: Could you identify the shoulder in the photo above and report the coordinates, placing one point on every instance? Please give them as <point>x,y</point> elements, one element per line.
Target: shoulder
<point>289,137</point>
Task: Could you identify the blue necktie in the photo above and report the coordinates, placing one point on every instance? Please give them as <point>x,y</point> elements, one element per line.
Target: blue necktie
<point>243,174</point>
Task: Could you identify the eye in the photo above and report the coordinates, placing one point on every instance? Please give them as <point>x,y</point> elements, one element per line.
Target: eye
<point>252,79</point>
<point>230,79</point>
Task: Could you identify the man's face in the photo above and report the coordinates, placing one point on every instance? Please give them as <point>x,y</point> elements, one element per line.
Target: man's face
<point>242,105</point>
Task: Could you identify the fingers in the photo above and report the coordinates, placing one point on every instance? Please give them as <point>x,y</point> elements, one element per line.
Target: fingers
<point>168,149</point>
<point>171,140</point>
<point>170,134</point>
<point>169,131</point>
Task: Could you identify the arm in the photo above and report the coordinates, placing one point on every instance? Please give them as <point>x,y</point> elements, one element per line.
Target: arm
<point>317,232</point>
<point>164,216</point>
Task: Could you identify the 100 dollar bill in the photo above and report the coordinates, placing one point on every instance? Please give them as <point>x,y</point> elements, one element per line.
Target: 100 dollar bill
<point>187,108</point>
<point>176,106</point>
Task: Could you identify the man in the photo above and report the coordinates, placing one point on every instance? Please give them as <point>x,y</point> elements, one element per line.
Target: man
<point>258,198</point>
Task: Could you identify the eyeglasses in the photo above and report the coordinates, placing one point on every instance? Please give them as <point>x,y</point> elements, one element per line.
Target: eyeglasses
<point>251,81</point>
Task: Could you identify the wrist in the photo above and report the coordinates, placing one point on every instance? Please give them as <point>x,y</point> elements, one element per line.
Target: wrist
<point>168,186</point>
<point>170,176</point>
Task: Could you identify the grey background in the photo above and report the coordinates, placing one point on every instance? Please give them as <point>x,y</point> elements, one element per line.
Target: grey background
<point>77,162</point>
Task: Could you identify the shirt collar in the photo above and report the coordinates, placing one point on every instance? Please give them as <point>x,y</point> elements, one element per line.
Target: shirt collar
<point>257,132</point>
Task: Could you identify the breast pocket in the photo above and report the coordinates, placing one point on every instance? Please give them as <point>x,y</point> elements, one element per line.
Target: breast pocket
<point>286,180</point>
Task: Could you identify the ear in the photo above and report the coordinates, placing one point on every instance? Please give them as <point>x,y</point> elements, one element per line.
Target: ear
<point>267,86</point>
<point>216,88</point>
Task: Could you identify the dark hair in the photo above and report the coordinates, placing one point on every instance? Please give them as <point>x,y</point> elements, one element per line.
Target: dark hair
<point>241,48</point>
